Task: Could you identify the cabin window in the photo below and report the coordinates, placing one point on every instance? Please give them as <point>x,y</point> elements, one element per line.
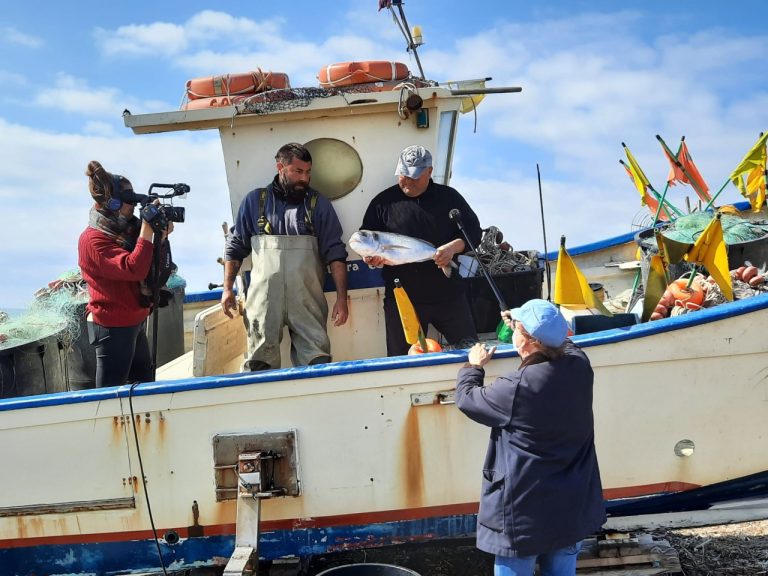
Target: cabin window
<point>445,139</point>
<point>336,167</point>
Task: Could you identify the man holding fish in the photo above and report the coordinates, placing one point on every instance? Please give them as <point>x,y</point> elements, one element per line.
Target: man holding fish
<point>416,242</point>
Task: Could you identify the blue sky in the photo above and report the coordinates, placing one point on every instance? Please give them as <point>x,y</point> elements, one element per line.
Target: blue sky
<point>594,74</point>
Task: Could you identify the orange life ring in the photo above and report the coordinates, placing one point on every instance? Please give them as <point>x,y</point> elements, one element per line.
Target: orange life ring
<point>216,102</point>
<point>684,295</point>
<point>349,73</point>
<point>236,84</point>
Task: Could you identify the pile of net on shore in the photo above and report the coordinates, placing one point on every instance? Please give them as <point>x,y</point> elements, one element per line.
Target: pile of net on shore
<point>58,308</point>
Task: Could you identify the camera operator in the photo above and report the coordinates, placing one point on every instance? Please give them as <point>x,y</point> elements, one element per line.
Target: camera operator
<point>115,258</point>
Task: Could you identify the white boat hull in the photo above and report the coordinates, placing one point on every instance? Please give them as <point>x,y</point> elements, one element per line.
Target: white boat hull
<point>374,465</point>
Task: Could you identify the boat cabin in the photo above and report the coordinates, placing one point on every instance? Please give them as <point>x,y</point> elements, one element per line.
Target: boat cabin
<point>354,136</point>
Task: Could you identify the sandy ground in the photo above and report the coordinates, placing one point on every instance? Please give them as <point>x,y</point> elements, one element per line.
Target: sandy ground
<point>725,550</point>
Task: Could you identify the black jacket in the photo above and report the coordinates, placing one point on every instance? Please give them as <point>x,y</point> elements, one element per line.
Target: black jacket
<point>424,217</point>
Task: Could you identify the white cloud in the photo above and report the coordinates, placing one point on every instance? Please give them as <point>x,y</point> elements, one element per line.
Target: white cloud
<point>43,184</point>
<point>13,36</point>
<point>96,128</point>
<point>156,39</point>
<point>75,95</point>
<point>12,79</point>
<point>167,39</point>
<point>213,42</point>
<point>210,25</point>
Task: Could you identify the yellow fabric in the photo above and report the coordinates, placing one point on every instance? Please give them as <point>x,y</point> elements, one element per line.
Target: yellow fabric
<point>655,285</point>
<point>755,186</point>
<point>638,176</point>
<point>572,288</point>
<point>673,251</point>
<point>469,103</point>
<point>754,158</point>
<point>709,251</point>
<point>411,325</point>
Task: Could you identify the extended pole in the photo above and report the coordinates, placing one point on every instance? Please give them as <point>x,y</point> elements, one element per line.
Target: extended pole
<point>544,232</point>
<point>455,215</point>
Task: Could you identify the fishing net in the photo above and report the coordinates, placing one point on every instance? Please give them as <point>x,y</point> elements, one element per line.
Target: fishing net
<point>293,98</point>
<point>54,311</point>
<point>687,228</point>
<point>58,308</point>
<point>499,257</point>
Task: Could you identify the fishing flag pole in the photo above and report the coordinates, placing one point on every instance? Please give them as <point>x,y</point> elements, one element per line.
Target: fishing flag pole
<point>748,162</point>
<point>700,190</point>
<point>544,232</point>
<point>641,181</point>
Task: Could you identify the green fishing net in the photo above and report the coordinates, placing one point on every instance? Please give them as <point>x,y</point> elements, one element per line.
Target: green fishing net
<point>59,308</point>
<point>687,228</point>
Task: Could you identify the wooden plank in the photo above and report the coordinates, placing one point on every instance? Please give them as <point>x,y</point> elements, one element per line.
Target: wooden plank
<point>218,343</point>
<point>618,561</point>
<point>628,555</point>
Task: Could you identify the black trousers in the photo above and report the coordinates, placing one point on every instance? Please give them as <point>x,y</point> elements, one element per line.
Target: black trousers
<point>453,319</point>
<point>122,354</point>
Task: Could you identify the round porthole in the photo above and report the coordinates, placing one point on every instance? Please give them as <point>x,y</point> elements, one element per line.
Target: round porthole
<point>685,448</point>
<point>336,167</point>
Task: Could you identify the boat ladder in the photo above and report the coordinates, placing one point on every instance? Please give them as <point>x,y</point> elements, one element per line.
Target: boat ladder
<point>252,475</point>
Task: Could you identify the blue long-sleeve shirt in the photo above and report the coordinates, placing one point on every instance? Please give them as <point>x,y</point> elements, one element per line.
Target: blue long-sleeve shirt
<point>286,219</point>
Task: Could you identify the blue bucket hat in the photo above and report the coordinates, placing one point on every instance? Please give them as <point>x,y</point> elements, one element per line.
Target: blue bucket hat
<point>543,321</point>
<point>413,161</point>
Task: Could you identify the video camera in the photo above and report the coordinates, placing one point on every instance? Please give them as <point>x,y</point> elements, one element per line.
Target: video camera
<point>160,215</point>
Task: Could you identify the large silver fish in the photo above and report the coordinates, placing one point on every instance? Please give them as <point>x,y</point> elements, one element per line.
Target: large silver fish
<point>395,249</point>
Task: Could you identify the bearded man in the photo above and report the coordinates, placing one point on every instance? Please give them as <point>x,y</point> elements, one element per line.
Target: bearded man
<point>292,233</point>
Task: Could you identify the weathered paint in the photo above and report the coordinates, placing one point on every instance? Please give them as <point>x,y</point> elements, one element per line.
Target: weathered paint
<point>413,482</point>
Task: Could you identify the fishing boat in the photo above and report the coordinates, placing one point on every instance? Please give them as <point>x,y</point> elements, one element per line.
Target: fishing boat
<point>184,472</point>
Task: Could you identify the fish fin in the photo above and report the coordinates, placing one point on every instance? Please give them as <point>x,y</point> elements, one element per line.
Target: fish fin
<point>448,270</point>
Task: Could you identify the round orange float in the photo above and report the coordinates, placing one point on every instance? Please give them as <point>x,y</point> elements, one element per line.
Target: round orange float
<point>432,346</point>
<point>686,296</point>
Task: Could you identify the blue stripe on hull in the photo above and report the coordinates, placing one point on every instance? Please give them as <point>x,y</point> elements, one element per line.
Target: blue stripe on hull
<point>141,555</point>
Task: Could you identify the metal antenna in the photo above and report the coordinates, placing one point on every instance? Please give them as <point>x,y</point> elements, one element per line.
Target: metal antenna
<point>404,29</point>
<point>544,231</point>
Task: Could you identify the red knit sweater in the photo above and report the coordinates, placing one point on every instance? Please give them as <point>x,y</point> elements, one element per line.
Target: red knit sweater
<point>113,276</point>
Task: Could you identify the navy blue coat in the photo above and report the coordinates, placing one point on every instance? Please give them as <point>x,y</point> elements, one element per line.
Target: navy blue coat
<point>541,487</point>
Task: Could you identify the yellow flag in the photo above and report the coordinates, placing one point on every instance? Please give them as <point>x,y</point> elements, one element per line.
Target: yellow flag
<point>709,251</point>
<point>655,284</point>
<point>754,158</point>
<point>755,187</point>
<point>572,288</point>
<point>639,177</point>
<point>411,324</point>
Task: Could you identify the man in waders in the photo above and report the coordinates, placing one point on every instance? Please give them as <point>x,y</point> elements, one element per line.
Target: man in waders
<point>292,233</point>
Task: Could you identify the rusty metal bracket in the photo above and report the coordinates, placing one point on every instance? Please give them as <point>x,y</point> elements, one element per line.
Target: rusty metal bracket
<point>431,398</point>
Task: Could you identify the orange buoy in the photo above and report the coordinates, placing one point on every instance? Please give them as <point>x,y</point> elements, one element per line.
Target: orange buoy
<point>432,346</point>
<point>684,295</point>
<point>236,84</point>
<point>349,73</point>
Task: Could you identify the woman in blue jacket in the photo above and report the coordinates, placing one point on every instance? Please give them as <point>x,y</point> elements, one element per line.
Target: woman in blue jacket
<point>541,491</point>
